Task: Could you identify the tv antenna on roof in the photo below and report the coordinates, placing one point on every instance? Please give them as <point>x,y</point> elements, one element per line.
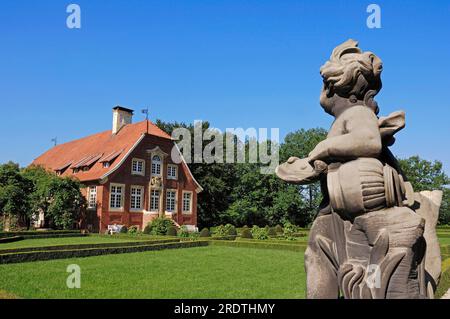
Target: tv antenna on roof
<point>145,111</point>
<point>55,141</point>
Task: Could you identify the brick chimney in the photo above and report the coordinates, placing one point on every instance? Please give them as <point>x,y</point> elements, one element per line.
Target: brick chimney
<point>121,117</point>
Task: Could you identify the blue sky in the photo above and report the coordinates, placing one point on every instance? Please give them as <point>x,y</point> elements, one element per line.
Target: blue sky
<point>233,63</point>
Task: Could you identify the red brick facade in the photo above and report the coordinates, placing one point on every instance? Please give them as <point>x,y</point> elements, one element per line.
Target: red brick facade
<point>124,176</point>
<point>104,162</point>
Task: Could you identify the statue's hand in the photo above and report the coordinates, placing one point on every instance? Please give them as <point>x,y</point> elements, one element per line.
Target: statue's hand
<point>298,171</point>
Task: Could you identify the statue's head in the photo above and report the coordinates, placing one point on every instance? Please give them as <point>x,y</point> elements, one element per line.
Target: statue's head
<point>352,75</point>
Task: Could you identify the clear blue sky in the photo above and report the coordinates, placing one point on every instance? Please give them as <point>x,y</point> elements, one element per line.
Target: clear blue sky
<point>233,63</point>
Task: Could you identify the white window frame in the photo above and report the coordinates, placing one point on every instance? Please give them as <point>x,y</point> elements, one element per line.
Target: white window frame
<point>191,199</point>
<point>174,211</point>
<point>141,198</point>
<point>156,164</point>
<point>137,171</point>
<point>175,167</point>
<point>92,197</point>
<point>122,196</point>
<point>158,201</point>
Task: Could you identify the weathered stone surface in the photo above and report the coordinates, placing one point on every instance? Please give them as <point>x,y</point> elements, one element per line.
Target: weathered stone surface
<point>373,238</point>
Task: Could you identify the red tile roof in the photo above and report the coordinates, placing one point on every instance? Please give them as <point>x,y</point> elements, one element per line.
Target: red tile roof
<point>91,148</point>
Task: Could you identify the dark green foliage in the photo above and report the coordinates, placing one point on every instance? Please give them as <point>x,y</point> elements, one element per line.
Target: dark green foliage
<point>279,229</point>
<point>272,232</point>
<point>147,229</point>
<point>239,194</point>
<point>171,231</point>
<point>184,233</point>
<point>76,253</point>
<point>260,233</point>
<point>10,239</point>
<point>39,234</point>
<point>124,230</point>
<point>427,175</point>
<point>258,244</point>
<point>289,231</point>
<point>89,246</point>
<point>59,198</point>
<point>133,230</point>
<point>246,233</point>
<point>159,226</point>
<point>205,233</point>
<point>227,230</point>
<point>15,191</point>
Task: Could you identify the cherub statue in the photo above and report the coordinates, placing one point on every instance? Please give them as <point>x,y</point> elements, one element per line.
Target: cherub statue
<point>372,232</point>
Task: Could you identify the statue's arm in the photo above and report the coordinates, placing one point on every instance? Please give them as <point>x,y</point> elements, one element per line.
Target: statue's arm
<point>362,138</point>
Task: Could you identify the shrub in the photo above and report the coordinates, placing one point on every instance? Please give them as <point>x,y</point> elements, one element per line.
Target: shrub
<point>279,229</point>
<point>259,233</point>
<point>124,230</point>
<point>159,226</point>
<point>133,230</point>
<point>227,230</point>
<point>272,232</point>
<point>289,231</point>
<point>171,231</point>
<point>205,233</point>
<point>246,233</point>
<point>184,233</point>
<point>230,230</point>
<point>147,229</point>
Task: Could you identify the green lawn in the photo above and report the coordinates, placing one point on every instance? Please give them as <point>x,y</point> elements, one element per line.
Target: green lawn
<point>206,272</point>
<point>43,242</point>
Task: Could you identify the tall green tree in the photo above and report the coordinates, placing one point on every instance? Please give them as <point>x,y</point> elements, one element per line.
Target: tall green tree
<point>59,198</point>
<point>217,180</point>
<point>428,175</point>
<point>14,195</point>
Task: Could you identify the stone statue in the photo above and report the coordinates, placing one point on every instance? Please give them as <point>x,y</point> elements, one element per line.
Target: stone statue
<point>373,237</point>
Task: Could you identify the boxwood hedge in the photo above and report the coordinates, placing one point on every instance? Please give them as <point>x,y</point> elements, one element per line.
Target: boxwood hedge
<point>38,233</point>
<point>76,253</point>
<point>86,246</point>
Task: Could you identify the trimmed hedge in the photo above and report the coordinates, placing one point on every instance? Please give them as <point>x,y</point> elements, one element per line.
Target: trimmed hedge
<point>38,233</point>
<point>205,233</point>
<point>86,246</point>
<point>223,238</point>
<point>78,253</point>
<point>275,241</point>
<point>258,244</point>
<point>54,236</point>
<point>10,239</point>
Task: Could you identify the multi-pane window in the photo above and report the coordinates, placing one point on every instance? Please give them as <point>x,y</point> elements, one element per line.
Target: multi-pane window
<point>171,201</point>
<point>187,202</point>
<point>138,167</point>
<point>136,197</point>
<point>116,196</point>
<point>172,171</point>
<point>92,197</point>
<point>156,166</point>
<point>154,200</point>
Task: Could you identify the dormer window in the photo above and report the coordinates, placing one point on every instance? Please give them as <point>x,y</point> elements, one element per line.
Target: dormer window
<point>109,159</point>
<point>156,165</point>
<point>138,167</point>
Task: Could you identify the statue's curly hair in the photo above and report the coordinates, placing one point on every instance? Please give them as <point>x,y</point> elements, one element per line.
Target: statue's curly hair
<point>351,71</point>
